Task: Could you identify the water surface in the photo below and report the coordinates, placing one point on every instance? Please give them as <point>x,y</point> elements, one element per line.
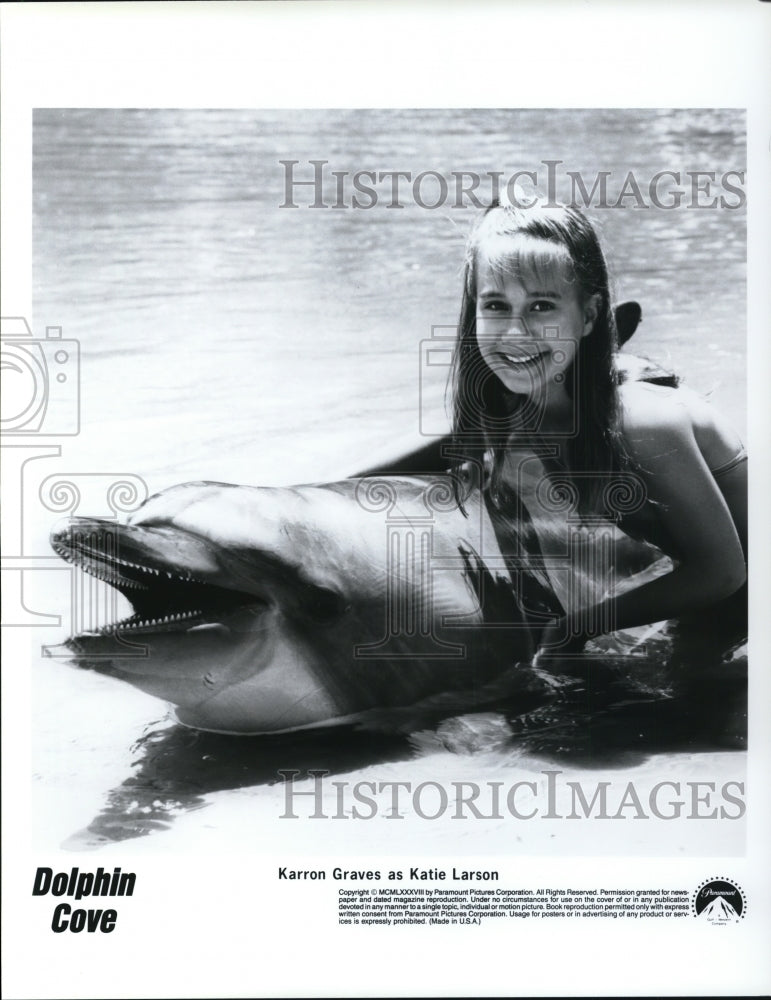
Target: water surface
<point>223,337</point>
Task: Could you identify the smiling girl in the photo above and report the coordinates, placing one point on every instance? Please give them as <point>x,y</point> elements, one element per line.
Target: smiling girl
<point>538,385</point>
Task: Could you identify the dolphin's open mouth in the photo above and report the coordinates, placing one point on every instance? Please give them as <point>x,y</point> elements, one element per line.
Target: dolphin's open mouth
<point>163,599</point>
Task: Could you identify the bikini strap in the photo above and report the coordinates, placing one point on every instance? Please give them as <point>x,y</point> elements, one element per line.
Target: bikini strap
<point>740,457</point>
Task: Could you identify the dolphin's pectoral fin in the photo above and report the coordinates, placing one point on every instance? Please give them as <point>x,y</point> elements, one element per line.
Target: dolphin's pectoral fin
<point>495,592</point>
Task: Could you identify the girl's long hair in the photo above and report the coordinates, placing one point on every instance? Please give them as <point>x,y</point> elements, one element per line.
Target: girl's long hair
<point>486,414</point>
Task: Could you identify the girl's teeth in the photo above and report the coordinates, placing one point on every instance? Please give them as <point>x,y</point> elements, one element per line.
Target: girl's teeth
<point>521,359</point>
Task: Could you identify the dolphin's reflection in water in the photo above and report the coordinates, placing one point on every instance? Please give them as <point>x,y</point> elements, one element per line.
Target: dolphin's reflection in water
<point>603,710</point>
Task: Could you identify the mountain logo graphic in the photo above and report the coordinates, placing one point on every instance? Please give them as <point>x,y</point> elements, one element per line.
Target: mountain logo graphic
<point>719,901</point>
<point>719,909</point>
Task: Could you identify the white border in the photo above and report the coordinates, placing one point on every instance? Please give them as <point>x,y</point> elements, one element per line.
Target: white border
<point>188,937</point>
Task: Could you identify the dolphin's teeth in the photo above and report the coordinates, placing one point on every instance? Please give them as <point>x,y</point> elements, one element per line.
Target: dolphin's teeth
<point>64,553</point>
<point>137,623</point>
<point>103,573</point>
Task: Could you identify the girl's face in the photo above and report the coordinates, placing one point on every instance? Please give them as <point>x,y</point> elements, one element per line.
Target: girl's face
<point>530,314</point>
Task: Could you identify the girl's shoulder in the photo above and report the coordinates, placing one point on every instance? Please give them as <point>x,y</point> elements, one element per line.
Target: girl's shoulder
<point>646,406</point>
<point>655,419</point>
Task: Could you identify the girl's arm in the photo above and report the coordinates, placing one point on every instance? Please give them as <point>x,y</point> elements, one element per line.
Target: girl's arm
<point>709,561</point>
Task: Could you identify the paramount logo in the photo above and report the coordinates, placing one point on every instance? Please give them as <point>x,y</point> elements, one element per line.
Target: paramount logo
<point>719,909</point>
<point>719,901</point>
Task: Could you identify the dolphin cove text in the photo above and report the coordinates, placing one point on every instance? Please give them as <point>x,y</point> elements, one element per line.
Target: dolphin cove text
<point>78,884</point>
<point>395,875</point>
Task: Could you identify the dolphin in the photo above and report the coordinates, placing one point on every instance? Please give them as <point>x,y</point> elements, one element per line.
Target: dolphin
<point>263,610</point>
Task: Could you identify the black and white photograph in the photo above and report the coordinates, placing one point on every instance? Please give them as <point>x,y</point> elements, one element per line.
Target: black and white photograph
<point>381,521</point>
<point>468,593</point>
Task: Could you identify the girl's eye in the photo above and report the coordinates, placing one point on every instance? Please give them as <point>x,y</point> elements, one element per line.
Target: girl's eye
<point>494,305</point>
<point>542,305</point>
